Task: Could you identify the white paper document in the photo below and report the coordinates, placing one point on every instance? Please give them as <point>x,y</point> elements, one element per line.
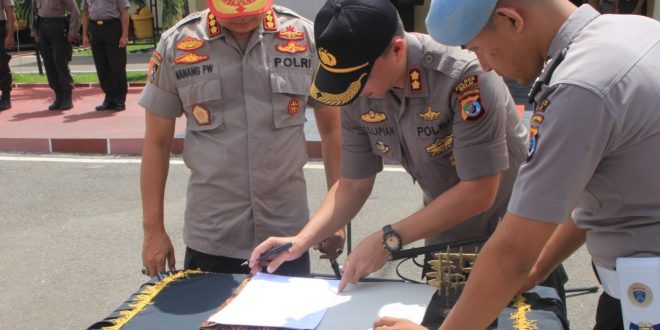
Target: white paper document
<point>280,301</point>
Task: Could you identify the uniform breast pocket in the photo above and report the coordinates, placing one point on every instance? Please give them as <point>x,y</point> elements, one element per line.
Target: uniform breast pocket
<point>202,102</point>
<point>289,98</point>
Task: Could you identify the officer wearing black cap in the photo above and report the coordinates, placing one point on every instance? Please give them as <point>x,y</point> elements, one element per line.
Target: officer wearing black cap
<point>7,20</point>
<point>453,127</point>
<point>54,31</point>
<point>105,22</point>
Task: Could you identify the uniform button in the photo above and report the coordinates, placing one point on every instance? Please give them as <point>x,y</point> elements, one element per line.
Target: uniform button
<point>428,58</point>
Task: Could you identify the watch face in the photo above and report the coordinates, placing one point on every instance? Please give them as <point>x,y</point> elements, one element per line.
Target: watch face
<point>392,242</point>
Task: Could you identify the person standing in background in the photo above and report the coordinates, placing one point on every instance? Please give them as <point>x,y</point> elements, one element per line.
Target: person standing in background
<point>105,22</point>
<point>7,21</point>
<point>54,31</point>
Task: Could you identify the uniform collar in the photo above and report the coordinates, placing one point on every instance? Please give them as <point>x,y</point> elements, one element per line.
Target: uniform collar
<point>571,28</point>
<point>416,83</point>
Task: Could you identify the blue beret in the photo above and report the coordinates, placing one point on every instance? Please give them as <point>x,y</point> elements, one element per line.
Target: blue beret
<point>456,22</point>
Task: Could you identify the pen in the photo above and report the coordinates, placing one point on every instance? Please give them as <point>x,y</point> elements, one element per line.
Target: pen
<point>335,268</point>
<point>271,252</point>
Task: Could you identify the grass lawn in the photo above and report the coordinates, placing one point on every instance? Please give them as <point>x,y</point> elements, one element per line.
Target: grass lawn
<point>131,48</point>
<point>83,78</point>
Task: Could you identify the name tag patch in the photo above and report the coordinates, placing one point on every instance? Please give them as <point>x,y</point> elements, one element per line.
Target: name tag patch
<point>193,71</point>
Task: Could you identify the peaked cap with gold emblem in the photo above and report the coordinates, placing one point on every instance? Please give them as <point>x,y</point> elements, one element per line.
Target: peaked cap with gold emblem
<point>350,35</point>
<point>238,8</point>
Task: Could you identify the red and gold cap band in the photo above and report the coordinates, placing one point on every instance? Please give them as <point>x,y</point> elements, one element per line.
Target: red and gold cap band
<point>238,8</point>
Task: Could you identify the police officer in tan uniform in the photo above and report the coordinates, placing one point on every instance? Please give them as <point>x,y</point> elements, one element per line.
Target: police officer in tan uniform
<point>54,31</point>
<point>105,22</point>
<point>7,21</point>
<point>453,127</point>
<point>240,73</point>
<point>591,171</point>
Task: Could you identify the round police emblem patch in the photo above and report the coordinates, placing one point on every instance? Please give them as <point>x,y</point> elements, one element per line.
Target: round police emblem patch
<point>533,144</point>
<point>640,295</point>
<point>471,107</point>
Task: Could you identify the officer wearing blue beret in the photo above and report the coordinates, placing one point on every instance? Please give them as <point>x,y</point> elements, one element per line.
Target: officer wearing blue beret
<point>591,169</point>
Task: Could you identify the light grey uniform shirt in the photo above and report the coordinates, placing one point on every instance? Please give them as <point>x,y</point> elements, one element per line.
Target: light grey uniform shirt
<point>244,143</point>
<point>58,8</point>
<point>5,3</point>
<point>451,122</point>
<point>103,9</point>
<point>595,136</point>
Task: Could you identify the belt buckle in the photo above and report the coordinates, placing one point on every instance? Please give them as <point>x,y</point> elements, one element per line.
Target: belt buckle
<point>99,22</point>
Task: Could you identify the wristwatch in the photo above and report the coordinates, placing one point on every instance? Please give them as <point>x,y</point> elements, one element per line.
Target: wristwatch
<point>391,239</point>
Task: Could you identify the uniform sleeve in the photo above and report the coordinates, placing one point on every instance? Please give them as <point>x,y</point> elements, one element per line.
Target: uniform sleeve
<point>569,134</point>
<point>74,23</point>
<point>160,95</point>
<point>357,159</point>
<point>480,103</point>
<point>121,4</point>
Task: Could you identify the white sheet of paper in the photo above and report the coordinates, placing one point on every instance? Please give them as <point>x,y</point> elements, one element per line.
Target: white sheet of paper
<point>280,301</point>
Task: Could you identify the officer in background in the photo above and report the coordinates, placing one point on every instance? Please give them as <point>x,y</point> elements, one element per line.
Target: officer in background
<point>240,72</point>
<point>106,23</point>
<point>453,127</point>
<point>54,31</point>
<point>7,23</point>
<point>594,143</point>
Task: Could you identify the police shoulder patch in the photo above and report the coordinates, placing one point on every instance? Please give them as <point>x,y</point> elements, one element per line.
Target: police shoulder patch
<point>472,107</point>
<point>466,83</point>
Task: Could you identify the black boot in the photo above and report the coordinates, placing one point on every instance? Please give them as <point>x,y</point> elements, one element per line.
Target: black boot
<point>5,102</point>
<point>66,101</point>
<point>58,101</point>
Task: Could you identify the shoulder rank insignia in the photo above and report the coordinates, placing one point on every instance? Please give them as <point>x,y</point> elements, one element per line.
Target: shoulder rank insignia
<point>373,117</point>
<point>471,107</point>
<point>541,106</point>
<point>190,57</point>
<point>154,67</point>
<point>213,26</point>
<point>290,33</point>
<point>440,146</point>
<point>294,106</point>
<point>270,21</point>
<point>189,43</point>
<point>382,147</point>
<point>429,115</point>
<point>536,120</point>
<point>201,114</point>
<point>416,80</point>
<point>466,83</point>
<point>291,47</point>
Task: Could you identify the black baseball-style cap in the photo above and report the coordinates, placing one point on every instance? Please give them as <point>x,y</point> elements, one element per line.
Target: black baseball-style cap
<point>350,36</point>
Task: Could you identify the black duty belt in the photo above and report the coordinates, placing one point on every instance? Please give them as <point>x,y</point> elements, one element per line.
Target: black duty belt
<point>103,21</point>
<point>52,20</point>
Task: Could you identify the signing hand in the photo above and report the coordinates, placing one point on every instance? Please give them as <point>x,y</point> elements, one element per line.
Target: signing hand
<point>274,262</point>
<point>367,257</point>
<point>390,323</point>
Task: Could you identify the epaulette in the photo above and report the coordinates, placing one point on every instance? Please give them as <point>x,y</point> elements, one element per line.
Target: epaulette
<point>287,11</point>
<point>190,18</point>
<point>452,66</point>
<point>542,82</point>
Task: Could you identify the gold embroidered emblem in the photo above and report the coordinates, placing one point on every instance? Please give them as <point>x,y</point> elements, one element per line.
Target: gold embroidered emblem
<point>373,117</point>
<point>270,21</point>
<point>429,115</point>
<point>519,317</point>
<point>189,43</point>
<point>536,120</point>
<point>543,105</point>
<point>157,57</point>
<point>415,80</point>
<point>238,7</point>
<point>466,83</point>
<point>328,61</point>
<point>190,57</point>
<point>382,147</point>
<point>291,47</point>
<point>290,33</point>
<point>213,26</point>
<point>294,106</point>
<point>440,146</point>
<point>338,99</point>
<point>202,115</point>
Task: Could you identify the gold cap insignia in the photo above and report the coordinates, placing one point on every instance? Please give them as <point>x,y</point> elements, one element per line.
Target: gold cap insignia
<point>328,61</point>
<point>201,114</point>
<point>270,21</point>
<point>290,33</point>
<point>190,57</point>
<point>294,106</point>
<point>440,146</point>
<point>416,80</point>
<point>237,8</point>
<point>189,43</point>
<point>337,99</point>
<point>373,117</point>
<point>429,115</point>
<point>291,47</point>
<point>382,147</point>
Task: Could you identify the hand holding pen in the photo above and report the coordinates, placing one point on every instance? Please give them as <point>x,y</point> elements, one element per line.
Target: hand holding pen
<point>272,253</point>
